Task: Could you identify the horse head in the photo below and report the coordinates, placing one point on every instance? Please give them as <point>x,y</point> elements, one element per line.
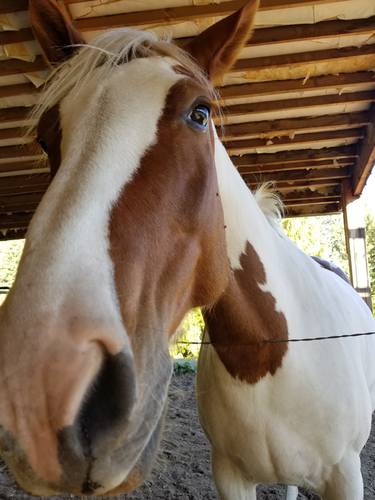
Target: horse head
<point>128,237</point>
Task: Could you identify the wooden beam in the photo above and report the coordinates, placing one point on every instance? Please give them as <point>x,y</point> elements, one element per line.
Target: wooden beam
<point>10,223</point>
<point>23,184</point>
<point>239,147</point>
<point>312,201</point>
<point>302,58</point>
<point>18,200</point>
<point>308,194</point>
<point>284,86</point>
<point>289,186</point>
<point>6,168</point>
<point>292,156</point>
<point>274,128</point>
<point>173,15</point>
<point>366,159</point>
<point>302,32</point>
<point>306,211</point>
<point>17,66</point>
<point>18,151</point>
<point>9,6</point>
<point>17,114</point>
<point>22,35</point>
<point>13,133</point>
<point>323,29</point>
<point>299,103</point>
<point>300,164</point>
<point>299,175</point>
<point>18,89</point>
<point>26,207</point>
<point>11,234</point>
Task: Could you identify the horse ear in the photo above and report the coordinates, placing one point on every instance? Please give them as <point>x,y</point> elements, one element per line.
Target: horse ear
<point>216,49</point>
<point>53,29</point>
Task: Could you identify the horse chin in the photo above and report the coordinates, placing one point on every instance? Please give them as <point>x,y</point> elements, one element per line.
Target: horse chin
<point>144,465</point>
<point>137,475</point>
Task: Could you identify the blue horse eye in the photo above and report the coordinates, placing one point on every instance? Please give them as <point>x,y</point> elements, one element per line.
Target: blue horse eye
<point>199,116</point>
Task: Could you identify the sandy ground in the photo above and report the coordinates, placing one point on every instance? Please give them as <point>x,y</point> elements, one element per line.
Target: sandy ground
<point>183,469</point>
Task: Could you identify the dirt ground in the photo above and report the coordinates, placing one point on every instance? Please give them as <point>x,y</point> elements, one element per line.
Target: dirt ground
<point>183,469</point>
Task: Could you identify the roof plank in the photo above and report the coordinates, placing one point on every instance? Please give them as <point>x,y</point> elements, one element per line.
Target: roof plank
<point>240,146</point>
<point>292,156</point>
<point>293,125</point>
<point>174,15</point>
<point>299,103</point>
<point>323,82</point>
<point>17,66</point>
<point>366,159</point>
<point>302,58</point>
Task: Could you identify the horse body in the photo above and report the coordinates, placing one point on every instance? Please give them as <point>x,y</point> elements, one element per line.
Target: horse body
<point>305,420</point>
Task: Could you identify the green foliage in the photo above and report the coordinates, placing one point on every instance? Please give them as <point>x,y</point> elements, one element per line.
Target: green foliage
<point>190,330</point>
<point>10,254</point>
<point>185,366</point>
<point>320,236</point>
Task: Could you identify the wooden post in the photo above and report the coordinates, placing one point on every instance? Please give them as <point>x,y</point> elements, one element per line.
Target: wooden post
<point>355,236</point>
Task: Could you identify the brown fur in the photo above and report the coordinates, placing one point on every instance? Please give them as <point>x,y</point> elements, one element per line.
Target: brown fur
<point>243,319</point>
<point>166,233</point>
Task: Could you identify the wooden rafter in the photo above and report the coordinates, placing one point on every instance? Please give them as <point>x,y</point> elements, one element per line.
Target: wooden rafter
<point>17,66</point>
<point>366,159</point>
<point>289,60</point>
<point>240,146</point>
<point>274,128</point>
<point>19,89</point>
<point>174,15</point>
<point>22,35</point>
<point>300,164</point>
<point>328,209</point>
<point>21,166</point>
<point>20,150</point>
<point>321,83</point>
<point>261,36</point>
<point>292,156</point>
<point>300,175</point>
<point>299,103</point>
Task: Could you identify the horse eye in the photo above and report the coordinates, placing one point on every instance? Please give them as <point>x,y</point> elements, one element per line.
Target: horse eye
<point>42,144</point>
<point>199,117</point>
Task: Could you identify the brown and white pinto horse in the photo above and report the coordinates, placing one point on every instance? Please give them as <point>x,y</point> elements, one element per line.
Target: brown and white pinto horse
<point>146,218</point>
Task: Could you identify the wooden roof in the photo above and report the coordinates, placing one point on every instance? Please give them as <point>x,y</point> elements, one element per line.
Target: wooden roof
<point>299,104</point>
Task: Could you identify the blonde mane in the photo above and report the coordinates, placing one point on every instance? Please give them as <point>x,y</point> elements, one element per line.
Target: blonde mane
<point>270,203</point>
<point>103,55</point>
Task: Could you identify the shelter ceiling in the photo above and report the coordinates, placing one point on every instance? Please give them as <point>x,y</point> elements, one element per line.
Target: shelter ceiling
<point>298,105</point>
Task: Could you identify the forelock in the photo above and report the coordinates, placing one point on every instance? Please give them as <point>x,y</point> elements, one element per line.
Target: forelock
<point>103,56</point>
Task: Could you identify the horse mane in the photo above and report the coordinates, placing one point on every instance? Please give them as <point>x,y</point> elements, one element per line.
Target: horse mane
<point>270,204</point>
<point>102,56</point>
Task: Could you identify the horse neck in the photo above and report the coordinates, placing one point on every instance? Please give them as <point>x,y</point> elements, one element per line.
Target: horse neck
<point>246,314</point>
<point>245,222</point>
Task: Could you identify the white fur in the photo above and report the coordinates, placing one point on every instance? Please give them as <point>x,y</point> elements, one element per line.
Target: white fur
<point>306,424</point>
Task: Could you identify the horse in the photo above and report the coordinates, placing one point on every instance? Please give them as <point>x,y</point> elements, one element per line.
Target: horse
<point>145,218</point>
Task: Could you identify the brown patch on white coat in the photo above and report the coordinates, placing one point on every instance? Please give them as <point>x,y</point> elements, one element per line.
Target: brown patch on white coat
<point>244,319</point>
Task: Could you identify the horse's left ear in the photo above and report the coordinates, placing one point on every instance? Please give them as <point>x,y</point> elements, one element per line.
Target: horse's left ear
<point>217,48</point>
<point>53,29</point>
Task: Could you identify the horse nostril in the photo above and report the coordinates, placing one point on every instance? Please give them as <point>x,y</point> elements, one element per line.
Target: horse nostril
<point>108,404</point>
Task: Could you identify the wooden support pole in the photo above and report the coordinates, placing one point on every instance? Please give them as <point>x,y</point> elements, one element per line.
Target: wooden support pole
<point>355,237</point>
